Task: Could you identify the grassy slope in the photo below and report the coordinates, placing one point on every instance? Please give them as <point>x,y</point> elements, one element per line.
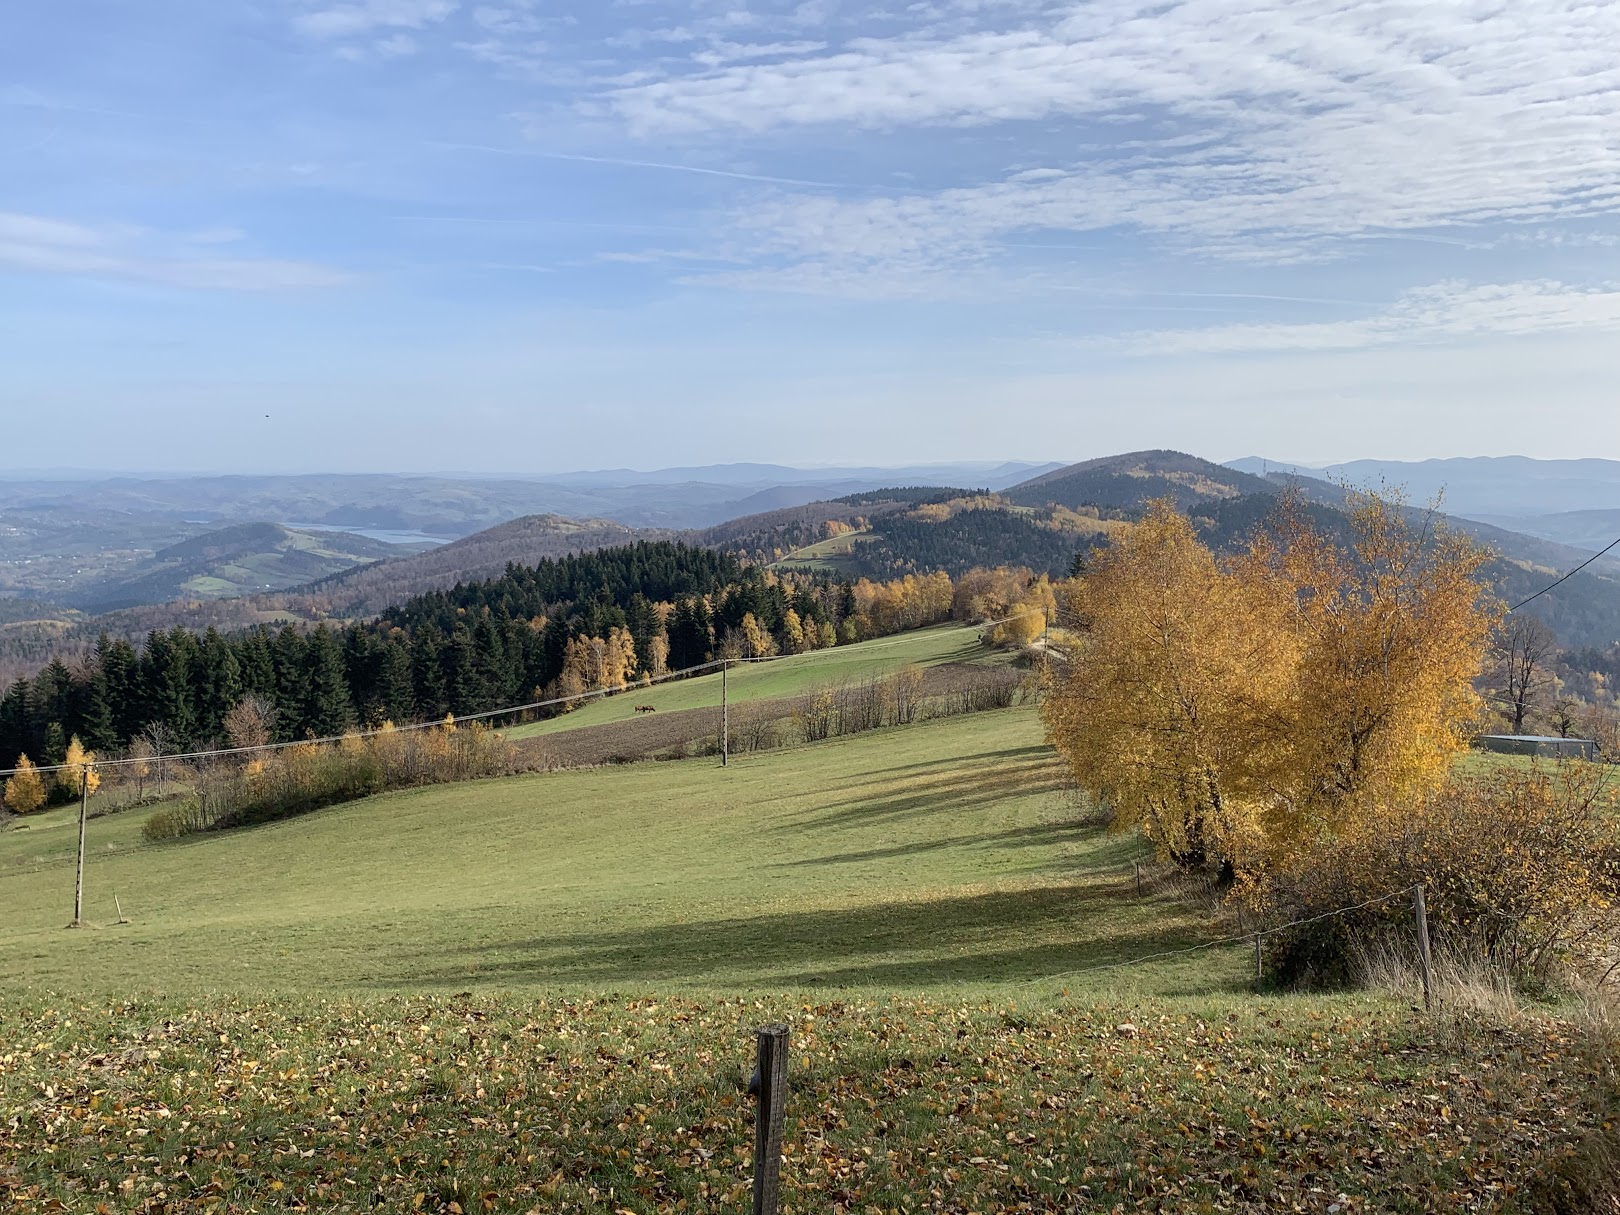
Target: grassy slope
<point>831,555</point>
<point>787,677</point>
<point>931,863</point>
<point>936,854</point>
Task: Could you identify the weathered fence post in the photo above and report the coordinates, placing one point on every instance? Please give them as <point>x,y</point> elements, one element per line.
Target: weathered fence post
<point>84,813</point>
<point>1259,963</point>
<point>1425,957</point>
<point>1137,865</point>
<point>771,1075</point>
<point>725,717</point>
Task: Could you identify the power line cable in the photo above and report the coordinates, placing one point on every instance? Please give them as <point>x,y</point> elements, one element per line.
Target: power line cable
<point>1565,578</point>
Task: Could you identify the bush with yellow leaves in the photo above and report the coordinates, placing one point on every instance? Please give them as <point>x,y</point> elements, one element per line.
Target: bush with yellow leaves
<point>1520,869</point>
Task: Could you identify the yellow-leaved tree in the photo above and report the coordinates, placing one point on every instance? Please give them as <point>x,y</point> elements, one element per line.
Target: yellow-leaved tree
<point>1244,709</point>
<point>78,773</point>
<point>1167,711</point>
<point>1394,626</point>
<point>25,791</point>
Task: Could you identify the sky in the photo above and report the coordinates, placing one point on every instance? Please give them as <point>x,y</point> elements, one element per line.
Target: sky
<point>523,236</point>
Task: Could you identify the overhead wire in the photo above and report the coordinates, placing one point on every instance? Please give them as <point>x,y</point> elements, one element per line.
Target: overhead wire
<point>1565,578</point>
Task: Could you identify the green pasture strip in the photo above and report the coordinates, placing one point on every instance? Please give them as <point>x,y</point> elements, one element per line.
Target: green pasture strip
<point>786,677</point>
<point>947,854</point>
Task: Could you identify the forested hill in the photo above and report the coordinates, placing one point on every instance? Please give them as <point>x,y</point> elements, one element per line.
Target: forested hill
<point>1229,504</point>
<point>561,626</point>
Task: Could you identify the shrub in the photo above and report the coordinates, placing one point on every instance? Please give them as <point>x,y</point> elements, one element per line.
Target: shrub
<point>170,822</point>
<point>1520,870</point>
<point>306,777</point>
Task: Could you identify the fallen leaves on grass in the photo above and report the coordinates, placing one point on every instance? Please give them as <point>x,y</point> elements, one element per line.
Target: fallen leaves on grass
<point>470,1105</point>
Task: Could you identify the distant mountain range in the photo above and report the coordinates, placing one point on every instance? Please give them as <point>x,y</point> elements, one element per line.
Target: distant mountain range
<point>247,559</point>
<point>450,508</point>
<point>1036,515</point>
<point>1575,502</point>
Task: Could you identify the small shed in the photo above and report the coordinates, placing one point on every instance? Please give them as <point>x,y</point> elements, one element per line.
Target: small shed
<point>1549,745</point>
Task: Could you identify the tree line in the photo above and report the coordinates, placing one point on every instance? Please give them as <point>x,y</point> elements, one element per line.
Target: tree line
<point>558,628</point>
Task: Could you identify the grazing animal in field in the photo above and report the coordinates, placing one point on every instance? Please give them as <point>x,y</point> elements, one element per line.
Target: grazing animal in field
<point>646,708</point>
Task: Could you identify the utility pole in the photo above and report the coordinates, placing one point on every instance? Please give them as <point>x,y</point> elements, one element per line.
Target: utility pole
<point>725,715</point>
<point>84,813</point>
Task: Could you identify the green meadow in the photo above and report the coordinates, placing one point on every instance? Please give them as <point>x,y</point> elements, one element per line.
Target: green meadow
<point>790,676</point>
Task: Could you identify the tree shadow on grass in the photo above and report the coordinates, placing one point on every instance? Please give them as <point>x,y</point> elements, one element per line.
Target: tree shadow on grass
<point>1103,854</point>
<point>952,792</point>
<point>984,937</point>
<point>955,762</point>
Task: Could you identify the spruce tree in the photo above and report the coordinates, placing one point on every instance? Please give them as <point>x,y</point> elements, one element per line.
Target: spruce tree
<point>292,683</point>
<point>326,708</point>
<point>461,674</point>
<point>166,676</point>
<point>220,685</point>
<point>54,749</point>
<point>427,673</point>
<point>14,723</point>
<point>256,664</point>
<point>396,691</point>
<point>95,714</point>
<point>121,670</point>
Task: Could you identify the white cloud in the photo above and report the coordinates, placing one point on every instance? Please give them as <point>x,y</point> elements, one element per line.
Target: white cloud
<point>1444,312</point>
<point>720,53</point>
<point>1287,125</point>
<point>350,20</point>
<point>35,244</point>
<point>396,46</point>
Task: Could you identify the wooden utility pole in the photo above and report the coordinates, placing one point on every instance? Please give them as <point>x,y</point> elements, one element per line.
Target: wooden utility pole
<point>1425,957</point>
<point>84,813</point>
<point>771,1073</point>
<point>725,716</point>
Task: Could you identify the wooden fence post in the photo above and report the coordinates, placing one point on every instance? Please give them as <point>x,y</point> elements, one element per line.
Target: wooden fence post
<point>1259,963</point>
<point>772,1044</point>
<point>1138,867</point>
<point>725,717</point>
<point>1425,956</point>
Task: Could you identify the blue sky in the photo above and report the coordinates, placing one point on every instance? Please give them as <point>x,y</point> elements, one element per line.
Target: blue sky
<point>296,235</point>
